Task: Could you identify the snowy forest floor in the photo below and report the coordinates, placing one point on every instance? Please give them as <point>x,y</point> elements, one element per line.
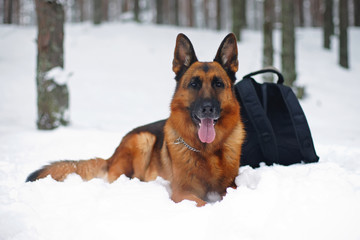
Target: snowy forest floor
<point>121,79</point>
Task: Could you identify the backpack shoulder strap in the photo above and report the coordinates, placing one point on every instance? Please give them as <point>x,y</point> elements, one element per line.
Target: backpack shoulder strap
<point>258,118</point>
<point>300,124</point>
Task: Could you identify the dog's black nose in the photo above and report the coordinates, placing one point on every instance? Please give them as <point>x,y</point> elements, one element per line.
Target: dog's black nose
<point>208,109</point>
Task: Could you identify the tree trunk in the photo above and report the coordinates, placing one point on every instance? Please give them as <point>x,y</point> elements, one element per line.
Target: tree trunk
<point>16,11</point>
<point>357,13</point>
<point>288,42</point>
<point>315,9</point>
<point>52,98</point>
<point>81,7</point>
<point>206,13</point>
<point>176,13</point>
<point>236,18</point>
<point>166,12</point>
<point>190,13</point>
<point>124,6</point>
<point>159,12</point>
<point>105,10</point>
<point>97,12</point>
<point>328,26</point>
<point>8,11</point>
<point>218,15</point>
<point>79,11</point>
<point>300,13</point>
<point>243,13</point>
<point>268,49</point>
<point>136,11</point>
<point>343,34</point>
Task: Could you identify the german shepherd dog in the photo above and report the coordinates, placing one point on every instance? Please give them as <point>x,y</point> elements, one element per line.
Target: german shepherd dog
<point>197,149</point>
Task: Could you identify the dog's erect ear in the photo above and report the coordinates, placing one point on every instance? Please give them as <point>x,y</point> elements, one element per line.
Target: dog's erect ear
<point>184,55</point>
<point>227,55</point>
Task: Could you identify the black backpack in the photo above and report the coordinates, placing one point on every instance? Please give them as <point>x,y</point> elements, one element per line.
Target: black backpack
<point>277,131</point>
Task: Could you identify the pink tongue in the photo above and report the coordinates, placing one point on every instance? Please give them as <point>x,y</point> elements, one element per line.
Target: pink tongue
<point>207,131</point>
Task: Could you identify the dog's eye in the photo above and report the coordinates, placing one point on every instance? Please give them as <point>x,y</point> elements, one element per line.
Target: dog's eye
<point>218,83</point>
<point>195,83</point>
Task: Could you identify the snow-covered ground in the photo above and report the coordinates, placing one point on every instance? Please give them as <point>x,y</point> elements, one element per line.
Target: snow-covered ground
<point>121,78</point>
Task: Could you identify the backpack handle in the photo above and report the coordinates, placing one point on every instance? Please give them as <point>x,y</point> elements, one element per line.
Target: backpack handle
<point>267,70</point>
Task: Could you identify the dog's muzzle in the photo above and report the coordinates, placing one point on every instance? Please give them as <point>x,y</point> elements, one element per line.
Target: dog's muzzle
<point>205,114</point>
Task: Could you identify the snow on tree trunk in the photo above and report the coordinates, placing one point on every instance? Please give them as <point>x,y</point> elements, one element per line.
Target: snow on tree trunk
<point>343,34</point>
<point>52,97</point>
<point>288,42</point>
<point>268,49</point>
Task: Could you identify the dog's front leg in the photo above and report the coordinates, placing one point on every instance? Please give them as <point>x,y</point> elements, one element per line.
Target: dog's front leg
<point>178,196</point>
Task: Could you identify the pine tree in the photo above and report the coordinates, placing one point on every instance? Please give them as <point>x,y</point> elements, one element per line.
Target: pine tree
<point>52,98</point>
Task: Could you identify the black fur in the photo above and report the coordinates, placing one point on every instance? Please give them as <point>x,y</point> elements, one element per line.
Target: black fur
<point>155,128</point>
<point>33,176</point>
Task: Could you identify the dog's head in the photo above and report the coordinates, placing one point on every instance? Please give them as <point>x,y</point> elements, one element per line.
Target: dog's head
<point>204,98</point>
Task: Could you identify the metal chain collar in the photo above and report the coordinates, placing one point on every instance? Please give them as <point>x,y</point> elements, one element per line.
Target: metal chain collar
<point>180,140</point>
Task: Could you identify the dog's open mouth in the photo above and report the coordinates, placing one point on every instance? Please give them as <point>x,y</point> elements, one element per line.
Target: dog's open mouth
<point>206,129</point>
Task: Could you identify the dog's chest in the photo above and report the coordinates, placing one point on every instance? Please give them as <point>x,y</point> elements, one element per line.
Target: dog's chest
<point>213,173</point>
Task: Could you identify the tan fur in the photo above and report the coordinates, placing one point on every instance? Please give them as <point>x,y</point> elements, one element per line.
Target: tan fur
<point>151,151</point>
<point>87,169</point>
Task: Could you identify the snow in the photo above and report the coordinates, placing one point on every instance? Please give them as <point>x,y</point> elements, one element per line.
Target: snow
<point>122,79</point>
<point>58,75</point>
